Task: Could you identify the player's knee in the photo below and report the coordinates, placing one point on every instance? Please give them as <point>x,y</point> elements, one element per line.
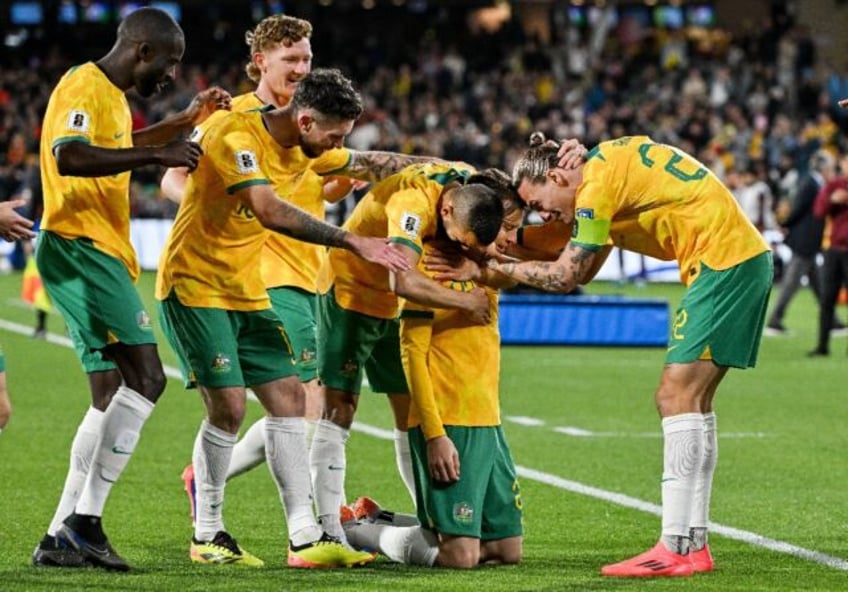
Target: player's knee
<point>340,409</point>
<point>153,384</point>
<point>459,557</point>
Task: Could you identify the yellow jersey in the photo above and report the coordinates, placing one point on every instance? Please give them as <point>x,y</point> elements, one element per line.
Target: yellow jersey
<point>452,367</point>
<point>657,200</point>
<point>212,256</point>
<point>402,207</point>
<point>286,261</point>
<point>86,107</point>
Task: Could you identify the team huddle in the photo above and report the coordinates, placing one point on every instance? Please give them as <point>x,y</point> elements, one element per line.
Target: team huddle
<point>256,291</point>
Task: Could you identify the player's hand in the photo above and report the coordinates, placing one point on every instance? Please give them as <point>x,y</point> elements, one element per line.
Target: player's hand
<point>13,226</point>
<point>181,153</point>
<point>336,187</point>
<point>478,309</point>
<point>843,103</point>
<point>206,102</point>
<point>451,267</point>
<point>571,154</point>
<point>379,251</point>
<point>443,460</point>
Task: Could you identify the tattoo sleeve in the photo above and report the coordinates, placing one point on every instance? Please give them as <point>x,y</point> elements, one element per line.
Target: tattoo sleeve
<point>296,223</point>
<point>371,165</point>
<point>562,275</point>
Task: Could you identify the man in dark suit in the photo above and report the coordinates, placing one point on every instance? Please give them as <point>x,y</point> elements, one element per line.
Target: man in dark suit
<point>804,237</point>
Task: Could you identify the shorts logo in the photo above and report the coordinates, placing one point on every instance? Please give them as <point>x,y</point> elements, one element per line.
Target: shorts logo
<point>246,162</point>
<point>350,368</point>
<point>587,213</point>
<point>221,364</point>
<point>410,224</point>
<point>79,121</point>
<point>307,356</point>
<point>142,320</point>
<point>463,512</point>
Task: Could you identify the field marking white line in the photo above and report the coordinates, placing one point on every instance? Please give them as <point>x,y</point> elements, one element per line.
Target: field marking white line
<point>524,420</point>
<point>620,499</point>
<point>581,433</point>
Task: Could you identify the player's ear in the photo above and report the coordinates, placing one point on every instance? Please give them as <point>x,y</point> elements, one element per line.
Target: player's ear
<point>558,176</point>
<point>305,121</point>
<point>144,51</point>
<point>259,60</point>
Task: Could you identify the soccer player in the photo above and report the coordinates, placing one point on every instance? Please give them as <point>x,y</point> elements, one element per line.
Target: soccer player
<point>467,489</point>
<point>218,312</point>
<point>281,56</point>
<point>88,265</point>
<point>357,325</point>
<point>656,200</point>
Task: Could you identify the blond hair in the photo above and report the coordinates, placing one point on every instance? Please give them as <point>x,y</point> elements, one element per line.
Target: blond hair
<point>270,33</point>
<point>536,161</point>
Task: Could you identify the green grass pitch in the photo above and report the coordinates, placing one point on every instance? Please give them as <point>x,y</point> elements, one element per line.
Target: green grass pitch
<point>779,496</point>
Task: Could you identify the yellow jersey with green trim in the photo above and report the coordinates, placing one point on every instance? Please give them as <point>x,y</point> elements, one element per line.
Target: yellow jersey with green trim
<point>402,207</point>
<point>212,256</point>
<point>657,200</point>
<point>286,261</point>
<point>86,107</point>
<point>452,366</point>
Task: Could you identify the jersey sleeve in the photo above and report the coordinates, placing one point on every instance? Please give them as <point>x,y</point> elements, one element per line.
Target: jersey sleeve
<point>594,208</point>
<point>415,335</point>
<point>236,155</point>
<point>78,118</point>
<point>332,161</point>
<point>409,213</point>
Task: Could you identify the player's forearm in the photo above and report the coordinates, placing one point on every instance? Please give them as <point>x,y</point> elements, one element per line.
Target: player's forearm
<point>548,276</point>
<point>163,131</point>
<point>495,279</point>
<point>77,159</point>
<point>173,184</point>
<point>420,289</point>
<point>296,223</point>
<point>373,165</point>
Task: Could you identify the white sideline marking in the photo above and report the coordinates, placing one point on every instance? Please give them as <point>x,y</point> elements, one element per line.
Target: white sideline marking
<point>620,499</point>
<point>581,433</point>
<point>524,420</point>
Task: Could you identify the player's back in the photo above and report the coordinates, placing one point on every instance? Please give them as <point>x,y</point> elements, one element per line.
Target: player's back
<point>402,207</point>
<point>657,200</point>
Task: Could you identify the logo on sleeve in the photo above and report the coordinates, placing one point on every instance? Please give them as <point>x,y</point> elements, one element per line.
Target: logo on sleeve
<point>246,162</point>
<point>196,133</point>
<point>79,121</point>
<point>587,213</point>
<point>411,224</point>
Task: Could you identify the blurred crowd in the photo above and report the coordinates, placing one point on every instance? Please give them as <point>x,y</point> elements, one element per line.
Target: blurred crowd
<point>754,107</point>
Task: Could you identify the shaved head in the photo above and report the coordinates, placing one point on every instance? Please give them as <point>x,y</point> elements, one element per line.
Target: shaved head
<point>150,25</point>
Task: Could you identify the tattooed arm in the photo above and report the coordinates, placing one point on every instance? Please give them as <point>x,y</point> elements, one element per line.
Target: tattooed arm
<point>372,165</point>
<point>280,216</point>
<point>575,266</point>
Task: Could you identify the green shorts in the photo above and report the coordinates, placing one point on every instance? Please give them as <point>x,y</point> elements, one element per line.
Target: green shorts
<point>486,501</point>
<point>722,314</point>
<point>350,342</point>
<point>297,308</point>
<point>91,360</point>
<point>220,348</point>
<point>95,294</point>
